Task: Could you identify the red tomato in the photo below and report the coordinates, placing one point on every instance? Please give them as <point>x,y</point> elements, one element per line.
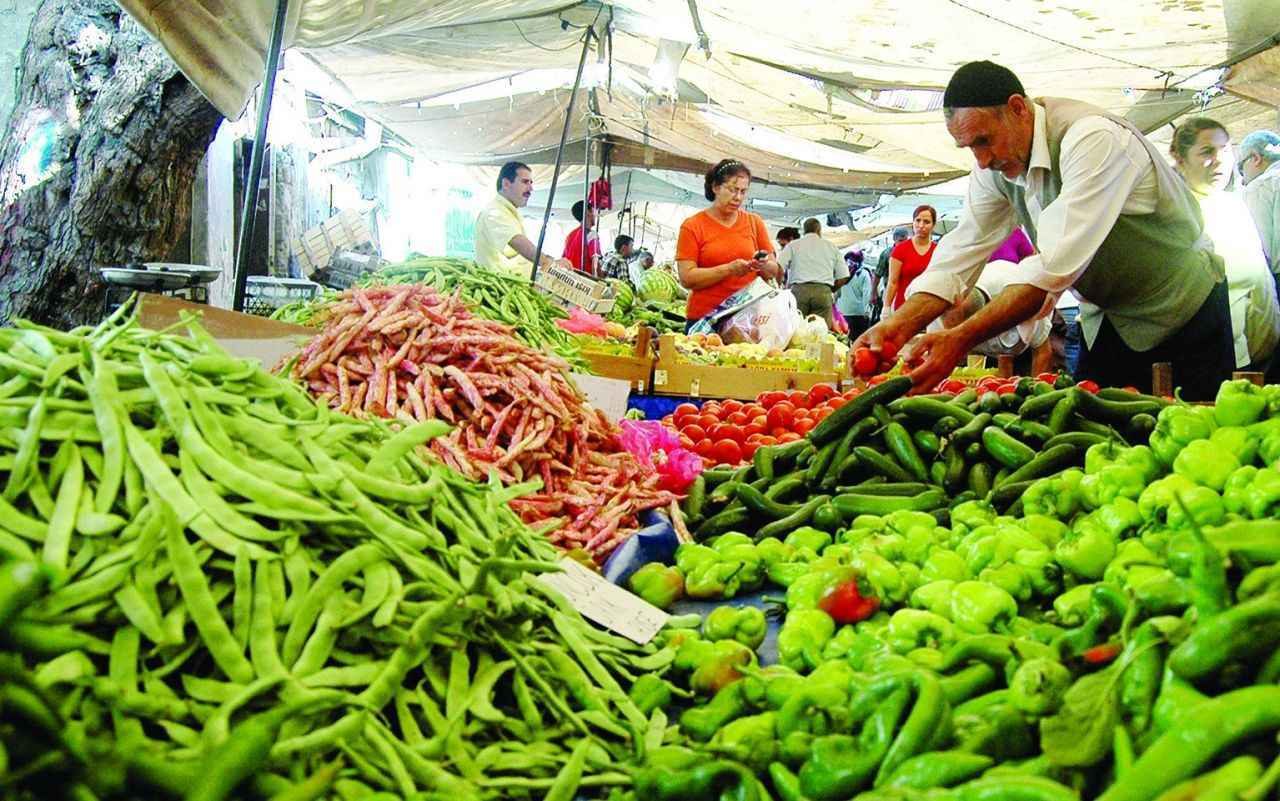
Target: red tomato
<point>761,419</point>
<point>737,419</point>
<point>802,414</point>
<point>821,414</point>
<point>704,446</point>
<point>754,410</point>
<point>837,402</point>
<point>711,407</point>
<point>683,409</point>
<point>779,431</point>
<point>768,441</point>
<point>781,415</point>
<point>788,436</point>
<point>688,444</point>
<point>1048,378</point>
<point>727,451</point>
<point>865,361</point>
<point>878,379</point>
<point>990,382</point>
<point>748,450</point>
<point>730,406</point>
<point>756,437</point>
<point>799,398</point>
<point>694,432</point>
<point>953,386</point>
<point>820,393</point>
<point>804,426</point>
<point>727,431</point>
<point>668,421</point>
<point>707,420</point>
<point>1006,389</point>
<point>888,352</point>
<point>1132,389</point>
<point>768,399</point>
<point>1089,386</point>
<point>754,428</point>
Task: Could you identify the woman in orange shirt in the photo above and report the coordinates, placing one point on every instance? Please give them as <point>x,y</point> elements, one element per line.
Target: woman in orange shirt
<point>724,247</point>
<point>910,257</point>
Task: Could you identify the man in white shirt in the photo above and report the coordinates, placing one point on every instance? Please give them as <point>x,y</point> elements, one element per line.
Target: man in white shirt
<point>500,240</point>
<point>1029,339</point>
<point>1259,156</point>
<point>1111,221</point>
<point>814,270</point>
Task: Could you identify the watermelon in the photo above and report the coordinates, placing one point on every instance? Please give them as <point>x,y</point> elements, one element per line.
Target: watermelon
<point>624,295</point>
<point>658,285</point>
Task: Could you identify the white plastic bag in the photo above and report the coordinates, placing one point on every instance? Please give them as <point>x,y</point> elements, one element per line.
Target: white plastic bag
<point>771,321</point>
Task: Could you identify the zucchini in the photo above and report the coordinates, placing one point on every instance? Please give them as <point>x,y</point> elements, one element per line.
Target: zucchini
<point>927,408</point>
<point>1005,449</point>
<point>1048,461</point>
<point>1109,411</point>
<point>851,505</point>
<point>718,524</point>
<point>800,517</point>
<point>885,488</point>
<point>901,446</point>
<point>1040,405</point>
<point>839,420</point>
<point>877,462</point>
<point>756,502</point>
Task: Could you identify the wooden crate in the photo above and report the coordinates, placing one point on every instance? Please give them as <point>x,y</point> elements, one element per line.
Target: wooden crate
<point>343,231</point>
<point>636,369</point>
<point>673,377</point>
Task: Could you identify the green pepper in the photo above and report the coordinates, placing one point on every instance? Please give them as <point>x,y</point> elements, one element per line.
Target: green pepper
<point>884,578</point>
<point>749,740</point>
<point>1202,504</point>
<point>973,514</point>
<point>784,574</point>
<point>1119,517</point>
<point>1177,426</point>
<point>1041,570</point>
<point>1206,463</point>
<point>807,591</point>
<point>977,607</point>
<point>1156,499</point>
<point>773,550</point>
<point>1263,494</point>
<point>808,537</point>
<point>1011,578</point>
<point>1087,550</point>
<point>915,628</point>
<point>1072,605</point>
<point>697,779</point>
<point>1057,496</point>
<point>1238,441</point>
<point>1106,454</point>
<point>943,564</point>
<point>1238,403</point>
<point>702,722</point>
<point>1048,530</point>
<point>1269,450</point>
<point>715,579</point>
<point>718,666</point>
<point>934,597</point>
<point>1109,483</point>
<point>658,584</point>
<point>650,692</point>
<point>827,518</point>
<point>803,637</point>
<point>839,765</point>
<point>1128,554</point>
<point>1038,686</point>
<point>746,624</point>
<point>752,574</point>
<point>690,555</point>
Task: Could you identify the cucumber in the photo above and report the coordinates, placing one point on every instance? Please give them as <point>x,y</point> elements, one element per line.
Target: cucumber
<point>1005,449</point>
<point>839,420</point>
<point>877,462</point>
<point>1048,461</point>
<point>756,502</point>
<point>1002,497</point>
<point>883,488</point>
<point>851,505</point>
<point>927,442</point>
<point>902,447</point>
<point>1109,411</point>
<point>800,517</point>
<point>719,524</point>
<point>971,430</point>
<point>1080,439</point>
<point>927,408</point>
<point>696,498</point>
<point>1040,405</point>
<point>980,479</point>
<point>763,461</point>
<point>1061,414</point>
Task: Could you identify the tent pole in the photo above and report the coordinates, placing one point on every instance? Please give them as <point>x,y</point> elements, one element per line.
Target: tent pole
<point>564,137</point>
<point>586,201</point>
<point>250,205</point>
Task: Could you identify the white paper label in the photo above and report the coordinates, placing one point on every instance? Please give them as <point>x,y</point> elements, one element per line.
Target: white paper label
<point>605,603</point>
<point>659,378</point>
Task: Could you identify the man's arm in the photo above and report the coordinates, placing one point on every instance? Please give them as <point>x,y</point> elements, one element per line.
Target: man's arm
<point>521,244</point>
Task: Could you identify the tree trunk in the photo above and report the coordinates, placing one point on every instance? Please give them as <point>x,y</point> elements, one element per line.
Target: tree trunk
<point>97,163</point>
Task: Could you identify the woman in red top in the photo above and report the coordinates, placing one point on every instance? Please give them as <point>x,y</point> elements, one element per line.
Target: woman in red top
<point>910,256</point>
<point>717,248</point>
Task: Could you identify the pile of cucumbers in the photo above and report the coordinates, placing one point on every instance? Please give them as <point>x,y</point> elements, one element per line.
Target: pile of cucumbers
<point>885,451</point>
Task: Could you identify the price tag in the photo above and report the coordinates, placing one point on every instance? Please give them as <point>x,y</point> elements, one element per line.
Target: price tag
<point>606,603</point>
<point>659,378</point>
<point>813,350</point>
<point>695,387</point>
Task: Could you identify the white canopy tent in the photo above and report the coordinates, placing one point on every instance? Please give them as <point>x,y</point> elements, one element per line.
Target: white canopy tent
<point>817,95</point>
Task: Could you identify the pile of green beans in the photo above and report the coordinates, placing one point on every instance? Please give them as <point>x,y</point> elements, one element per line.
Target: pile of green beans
<point>251,591</point>
<point>487,293</point>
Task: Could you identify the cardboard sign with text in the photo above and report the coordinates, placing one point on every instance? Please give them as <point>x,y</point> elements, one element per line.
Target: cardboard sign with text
<point>605,603</point>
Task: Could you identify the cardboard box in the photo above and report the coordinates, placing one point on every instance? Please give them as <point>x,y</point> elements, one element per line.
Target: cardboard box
<point>245,336</point>
<point>636,369</point>
<point>673,377</point>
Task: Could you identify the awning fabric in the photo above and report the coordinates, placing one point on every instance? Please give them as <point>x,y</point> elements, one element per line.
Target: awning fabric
<point>809,94</point>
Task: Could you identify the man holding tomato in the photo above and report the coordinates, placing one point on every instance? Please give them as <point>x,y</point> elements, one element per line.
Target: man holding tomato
<point>1112,223</point>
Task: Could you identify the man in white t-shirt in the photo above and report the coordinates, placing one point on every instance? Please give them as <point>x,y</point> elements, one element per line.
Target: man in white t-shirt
<point>815,270</point>
<point>1030,336</point>
<point>500,240</point>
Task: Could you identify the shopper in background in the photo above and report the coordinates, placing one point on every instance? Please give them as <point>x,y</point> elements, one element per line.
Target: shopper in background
<point>615,264</point>
<point>1197,148</point>
<point>1028,342</point>
<point>1111,221</point>
<point>641,263</point>
<point>911,257</point>
<point>880,278</point>
<point>1260,168</point>
<point>500,240</point>
<point>854,298</point>
<point>786,236</point>
<point>724,247</point>
<point>815,270</point>
<point>573,244</point>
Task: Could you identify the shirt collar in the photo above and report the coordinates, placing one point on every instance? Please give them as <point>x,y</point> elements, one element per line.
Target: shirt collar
<point>1040,157</point>
<point>506,204</point>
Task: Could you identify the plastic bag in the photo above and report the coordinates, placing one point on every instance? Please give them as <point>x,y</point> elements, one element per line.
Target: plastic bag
<point>658,449</point>
<point>771,321</point>
<point>583,322</point>
<point>842,325</point>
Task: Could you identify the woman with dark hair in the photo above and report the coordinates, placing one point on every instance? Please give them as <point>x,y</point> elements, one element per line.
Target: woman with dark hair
<point>724,247</point>
<point>911,256</point>
<point>1197,148</point>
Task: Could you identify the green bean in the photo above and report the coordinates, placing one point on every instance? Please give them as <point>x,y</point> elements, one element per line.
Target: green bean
<point>14,520</point>
<point>139,613</point>
<point>206,496</point>
<point>57,543</point>
<point>323,637</point>
<point>28,448</point>
<point>329,583</point>
<point>204,611</point>
<point>242,599</point>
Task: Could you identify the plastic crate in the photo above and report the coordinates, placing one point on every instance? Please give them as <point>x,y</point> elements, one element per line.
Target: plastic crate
<point>264,294</point>
<point>577,289</point>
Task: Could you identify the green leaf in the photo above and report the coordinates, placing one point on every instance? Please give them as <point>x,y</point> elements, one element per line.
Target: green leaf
<point>1080,734</point>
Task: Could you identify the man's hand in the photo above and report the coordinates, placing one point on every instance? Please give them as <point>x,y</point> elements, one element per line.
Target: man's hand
<point>937,355</point>
<point>565,263</point>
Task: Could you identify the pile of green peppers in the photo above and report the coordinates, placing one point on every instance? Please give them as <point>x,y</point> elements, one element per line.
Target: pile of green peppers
<point>1116,637</point>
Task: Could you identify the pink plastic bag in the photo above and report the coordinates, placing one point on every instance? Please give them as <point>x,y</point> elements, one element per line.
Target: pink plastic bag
<point>842,325</point>
<point>658,449</point>
<point>583,322</point>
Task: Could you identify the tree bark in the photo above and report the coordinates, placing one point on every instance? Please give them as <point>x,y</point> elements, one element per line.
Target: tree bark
<point>97,162</point>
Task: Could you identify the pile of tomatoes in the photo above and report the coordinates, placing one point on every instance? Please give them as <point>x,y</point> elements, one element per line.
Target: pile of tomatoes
<point>728,432</point>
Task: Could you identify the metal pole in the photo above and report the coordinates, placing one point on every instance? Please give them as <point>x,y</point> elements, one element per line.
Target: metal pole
<point>250,205</point>
<point>586,200</point>
<point>564,137</point>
